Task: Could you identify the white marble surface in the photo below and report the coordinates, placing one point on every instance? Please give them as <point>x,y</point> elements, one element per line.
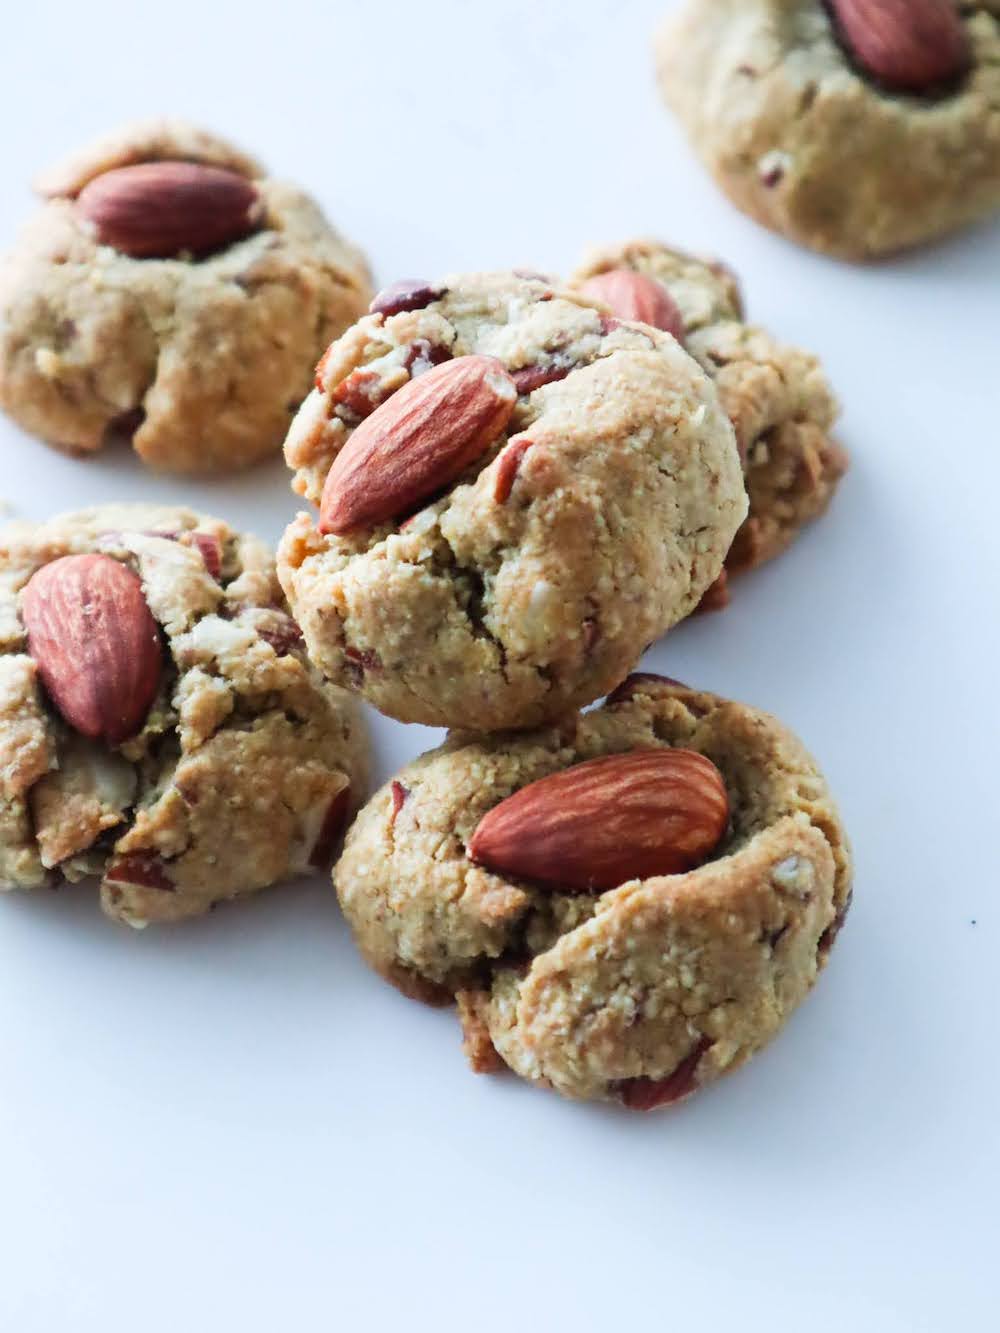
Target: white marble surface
<point>232,1125</point>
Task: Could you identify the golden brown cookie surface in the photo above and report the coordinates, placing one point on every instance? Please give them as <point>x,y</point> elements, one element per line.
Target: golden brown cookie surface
<point>777,396</point>
<point>171,291</point>
<point>159,724</point>
<point>859,135</point>
<point>532,581</point>
<point>638,994</point>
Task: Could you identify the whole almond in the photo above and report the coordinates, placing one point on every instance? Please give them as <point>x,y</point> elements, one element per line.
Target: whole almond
<point>161,209</point>
<point>416,442</point>
<point>605,821</point>
<point>636,296</point>
<point>95,643</point>
<point>906,45</point>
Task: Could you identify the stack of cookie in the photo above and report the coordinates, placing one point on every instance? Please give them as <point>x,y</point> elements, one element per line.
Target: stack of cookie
<point>520,485</point>
<point>517,485</point>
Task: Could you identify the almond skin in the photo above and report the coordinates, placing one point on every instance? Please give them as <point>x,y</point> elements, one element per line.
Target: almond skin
<point>640,682</point>
<point>905,45</point>
<point>416,442</point>
<point>332,827</point>
<point>637,297</point>
<point>95,643</point>
<point>646,1094</point>
<point>142,870</point>
<point>603,822</point>
<point>508,464</point>
<point>161,209</point>
<point>406,294</point>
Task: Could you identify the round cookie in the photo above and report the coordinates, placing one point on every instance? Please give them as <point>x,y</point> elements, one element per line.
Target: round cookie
<point>639,994</point>
<point>160,726</point>
<point>599,508</point>
<point>777,396</point>
<point>192,327</point>
<point>858,136</point>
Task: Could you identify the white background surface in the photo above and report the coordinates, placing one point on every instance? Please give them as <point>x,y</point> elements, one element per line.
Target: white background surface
<point>231,1125</point>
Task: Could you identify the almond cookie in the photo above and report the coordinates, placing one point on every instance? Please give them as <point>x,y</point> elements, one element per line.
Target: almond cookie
<point>777,396</point>
<point>625,906</point>
<point>856,127</point>
<point>160,726</point>
<point>517,494</point>
<point>170,291</point>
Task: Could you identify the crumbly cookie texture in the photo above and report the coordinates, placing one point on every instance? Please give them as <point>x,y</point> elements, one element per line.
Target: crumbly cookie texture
<point>204,361</point>
<point>522,590</point>
<point>679,978</point>
<point>777,396</point>
<point>246,760</point>
<point>799,136</point>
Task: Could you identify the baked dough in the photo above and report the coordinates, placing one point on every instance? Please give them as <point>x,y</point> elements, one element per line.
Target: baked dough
<point>777,396</point>
<point>201,362</point>
<point>247,767</point>
<point>504,605</point>
<point>799,136</point>
<point>641,994</point>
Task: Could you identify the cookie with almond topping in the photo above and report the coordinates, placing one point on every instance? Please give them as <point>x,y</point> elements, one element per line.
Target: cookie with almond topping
<point>856,127</point>
<point>777,396</point>
<point>624,906</point>
<point>160,726</point>
<point>516,494</point>
<point>170,292</point>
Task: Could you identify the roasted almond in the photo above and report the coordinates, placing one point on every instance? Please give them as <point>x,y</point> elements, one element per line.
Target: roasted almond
<point>605,821</point>
<point>529,378</point>
<point>646,1094</point>
<point>95,643</point>
<point>398,794</point>
<point>635,296</point>
<point>416,442</point>
<point>907,45</point>
<point>507,467</point>
<point>641,682</point>
<point>208,546</point>
<point>333,825</point>
<point>160,209</point>
<point>406,294</point>
<point>139,870</point>
<point>282,633</point>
